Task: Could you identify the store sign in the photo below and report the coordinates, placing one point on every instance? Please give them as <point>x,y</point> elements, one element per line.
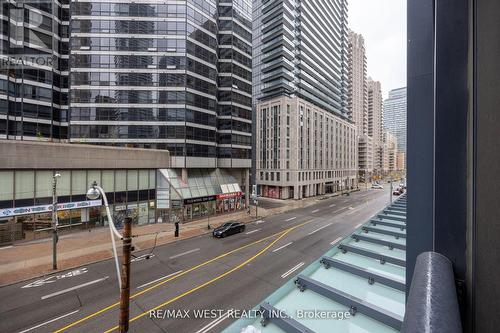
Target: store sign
<point>48,208</point>
<point>199,199</point>
<point>229,195</point>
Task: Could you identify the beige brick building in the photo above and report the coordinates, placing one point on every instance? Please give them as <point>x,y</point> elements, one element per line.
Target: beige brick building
<point>303,150</point>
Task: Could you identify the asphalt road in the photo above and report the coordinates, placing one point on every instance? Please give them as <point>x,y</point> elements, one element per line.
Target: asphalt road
<point>201,273</point>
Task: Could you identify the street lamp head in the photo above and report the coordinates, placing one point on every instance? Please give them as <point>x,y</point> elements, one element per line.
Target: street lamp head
<point>93,192</point>
<point>57,175</point>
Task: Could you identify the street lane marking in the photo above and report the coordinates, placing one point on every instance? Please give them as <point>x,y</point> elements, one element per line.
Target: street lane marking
<point>350,208</point>
<point>251,232</point>
<point>323,227</point>
<point>291,270</point>
<point>159,284</point>
<point>164,277</point>
<point>291,219</point>
<point>358,225</point>
<point>353,211</point>
<point>282,247</point>
<point>259,222</point>
<point>243,264</point>
<point>332,205</point>
<point>315,211</point>
<point>336,241</point>
<point>57,293</point>
<point>48,322</point>
<point>5,247</point>
<point>142,257</point>
<point>54,278</point>
<point>184,253</point>
<point>214,323</point>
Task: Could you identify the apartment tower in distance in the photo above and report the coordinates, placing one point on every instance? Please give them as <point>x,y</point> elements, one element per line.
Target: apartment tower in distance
<point>358,103</point>
<point>305,140</point>
<point>395,116</point>
<point>375,128</point>
<point>173,75</point>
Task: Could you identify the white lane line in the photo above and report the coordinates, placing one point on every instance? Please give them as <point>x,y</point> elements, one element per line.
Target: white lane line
<point>282,247</point>
<point>57,293</point>
<point>212,324</point>
<point>323,227</point>
<point>353,211</point>
<point>5,247</point>
<point>259,222</point>
<point>184,253</point>
<point>291,270</point>
<point>162,278</point>
<point>358,225</point>
<point>315,211</point>
<point>251,232</point>
<point>48,322</point>
<point>332,205</point>
<point>350,208</point>
<point>291,218</point>
<point>336,241</point>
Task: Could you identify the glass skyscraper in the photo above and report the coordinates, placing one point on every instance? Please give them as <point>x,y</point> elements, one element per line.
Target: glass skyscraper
<point>34,69</point>
<point>395,116</point>
<point>171,75</point>
<point>303,52</point>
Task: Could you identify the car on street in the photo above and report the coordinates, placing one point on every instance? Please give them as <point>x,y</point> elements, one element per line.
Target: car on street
<point>228,228</point>
<point>377,186</point>
<point>397,191</point>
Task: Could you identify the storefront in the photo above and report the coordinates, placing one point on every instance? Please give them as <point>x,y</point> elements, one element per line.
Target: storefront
<point>36,221</point>
<point>229,202</point>
<point>198,207</point>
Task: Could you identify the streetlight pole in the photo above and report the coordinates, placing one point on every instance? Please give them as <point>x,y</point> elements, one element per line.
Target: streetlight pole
<point>93,193</point>
<point>54,220</point>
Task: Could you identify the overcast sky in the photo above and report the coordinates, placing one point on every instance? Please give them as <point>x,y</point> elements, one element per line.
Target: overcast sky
<point>383,25</point>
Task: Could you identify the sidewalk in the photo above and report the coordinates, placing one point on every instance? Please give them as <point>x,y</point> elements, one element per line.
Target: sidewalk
<point>27,260</point>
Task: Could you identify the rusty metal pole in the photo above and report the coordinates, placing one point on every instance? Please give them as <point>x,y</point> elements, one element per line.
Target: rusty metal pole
<point>125,290</point>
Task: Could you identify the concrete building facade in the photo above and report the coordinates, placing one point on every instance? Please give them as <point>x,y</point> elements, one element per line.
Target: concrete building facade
<point>303,150</point>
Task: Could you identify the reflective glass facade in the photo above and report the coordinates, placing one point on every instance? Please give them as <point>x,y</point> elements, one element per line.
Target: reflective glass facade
<point>395,116</point>
<point>170,75</point>
<point>304,51</point>
<point>34,69</point>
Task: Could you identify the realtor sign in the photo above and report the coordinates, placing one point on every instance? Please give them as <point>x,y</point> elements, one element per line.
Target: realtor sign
<point>48,208</point>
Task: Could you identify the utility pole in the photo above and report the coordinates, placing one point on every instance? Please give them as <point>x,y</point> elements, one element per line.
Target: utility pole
<point>55,237</point>
<point>125,276</point>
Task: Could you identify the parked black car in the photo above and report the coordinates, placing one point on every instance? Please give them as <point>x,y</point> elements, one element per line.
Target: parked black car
<point>228,228</point>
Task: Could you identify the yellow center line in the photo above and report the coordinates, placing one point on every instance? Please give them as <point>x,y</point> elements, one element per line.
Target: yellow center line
<point>109,307</point>
<point>208,282</point>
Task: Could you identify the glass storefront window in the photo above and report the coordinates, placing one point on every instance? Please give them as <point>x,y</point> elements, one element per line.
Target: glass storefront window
<point>43,184</point>
<point>132,179</point>
<point>94,175</point>
<point>120,180</point>
<point>6,185</point>
<point>108,181</point>
<point>25,184</point>
<point>78,182</point>
<point>64,183</point>
<point>144,180</point>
